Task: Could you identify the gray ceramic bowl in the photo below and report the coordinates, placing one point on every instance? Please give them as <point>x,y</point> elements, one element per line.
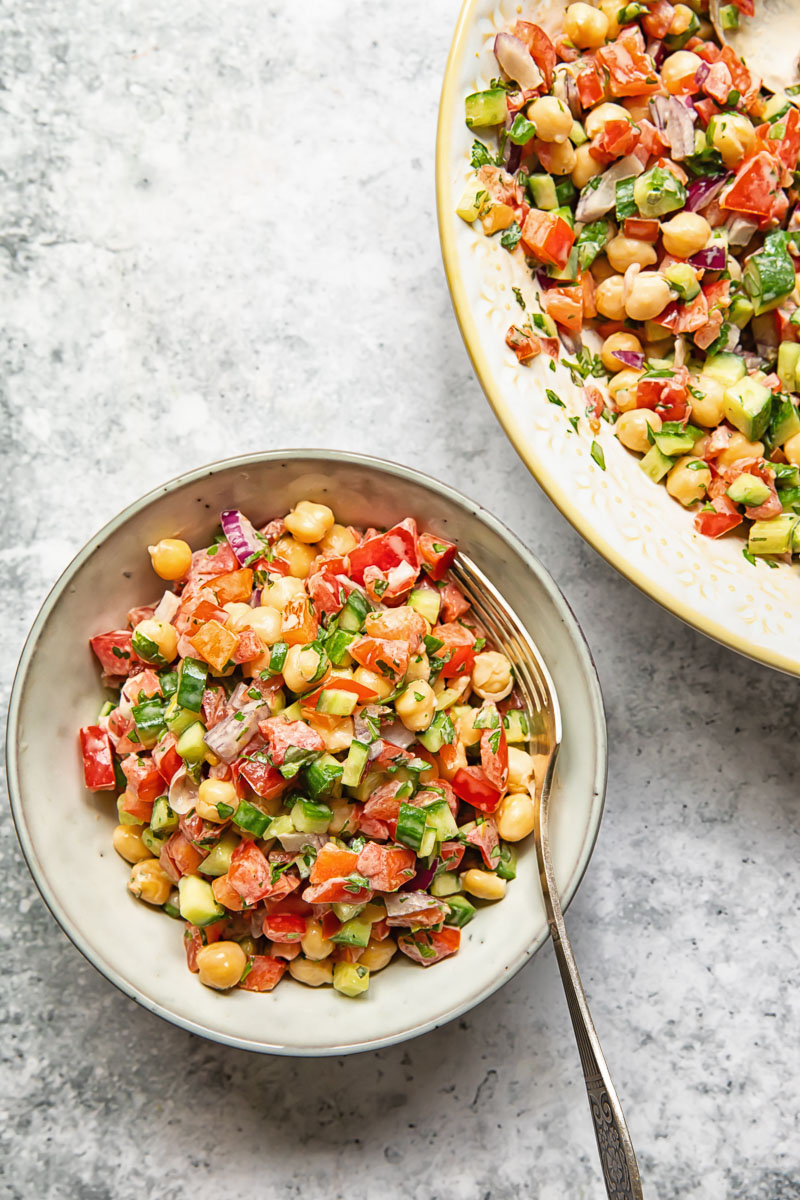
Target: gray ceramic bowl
<point>65,833</point>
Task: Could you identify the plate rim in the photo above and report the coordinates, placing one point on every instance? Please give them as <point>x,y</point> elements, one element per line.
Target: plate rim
<point>494,392</point>
<point>39,874</point>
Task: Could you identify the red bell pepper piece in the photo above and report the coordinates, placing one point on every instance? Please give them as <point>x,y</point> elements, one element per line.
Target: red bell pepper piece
<point>386,550</point>
<point>471,785</point>
<point>437,555</point>
<point>98,759</point>
<point>548,237</point>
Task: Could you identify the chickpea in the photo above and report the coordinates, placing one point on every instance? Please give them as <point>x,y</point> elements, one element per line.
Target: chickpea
<point>740,447</point>
<point>520,769</point>
<point>709,409</point>
<point>618,341</point>
<point>515,816</point>
<point>212,793</point>
<point>637,108</point>
<point>586,27</point>
<point>416,705</point>
<point>221,965</point>
<point>791,448</point>
<point>266,622</point>
<point>611,8</point>
<point>608,298</point>
<point>309,522</point>
<point>491,675</point>
<point>586,166</point>
<point>127,841</point>
<point>552,118</point>
<point>681,20</point>
<point>733,135</point>
<point>338,540</point>
<point>649,295</point>
<point>239,615</point>
<point>451,691</point>
<point>623,251</point>
<point>484,884</point>
<point>685,234</point>
<point>465,726</point>
<point>622,389</point>
<point>419,667</point>
<point>344,819</point>
<point>598,118</point>
<point>297,554</point>
<point>459,761</point>
<point>279,593</point>
<point>686,484</point>
<point>378,954</point>
<point>379,684</point>
<point>171,558</point>
<point>299,668</point>
<point>678,71</point>
<point>314,974</point>
<point>150,882</point>
<point>632,426</point>
<point>162,634</point>
<point>314,943</point>
<point>562,158</point>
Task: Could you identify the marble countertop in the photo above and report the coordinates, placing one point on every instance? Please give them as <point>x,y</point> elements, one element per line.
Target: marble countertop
<point>218,235</point>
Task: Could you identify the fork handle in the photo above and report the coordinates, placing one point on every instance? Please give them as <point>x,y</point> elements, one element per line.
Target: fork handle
<point>617,1157</point>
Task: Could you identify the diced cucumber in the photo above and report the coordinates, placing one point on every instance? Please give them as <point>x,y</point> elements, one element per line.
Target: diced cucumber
<point>569,272</point>
<point>294,712</point>
<point>565,191</point>
<point>218,861</point>
<point>153,841</point>
<point>197,901</point>
<point>191,684</point>
<point>461,911</point>
<point>769,273</point>
<point>107,708</point>
<point>411,826</point>
<point>543,190</point>
<point>426,602</point>
<point>354,764</point>
<point>774,536</point>
<point>683,279</point>
<point>308,817</point>
<point>749,490</point>
<point>356,607</point>
<point>125,818</point>
<point>251,819</point>
<point>176,718</point>
<point>486,108</point>
<point>337,646</point>
<point>446,884</point>
<point>507,866</point>
<point>281,824</point>
<point>727,368</point>
<point>740,311</point>
<point>351,979</point>
<point>441,820</point>
<point>147,649</point>
<point>346,912</point>
<point>748,406</point>
<point>473,201</point>
<point>191,745</point>
<point>334,702</point>
<point>148,717</point>
<point>673,443</point>
<point>353,933</point>
<point>655,464</point>
<point>515,723</point>
<point>657,192</point>
<point>729,17</point>
<point>788,362</point>
<point>787,475</point>
<point>428,843</point>
<point>785,421</point>
<point>322,775</point>
<point>163,818</point>
<point>440,732</point>
<point>577,134</point>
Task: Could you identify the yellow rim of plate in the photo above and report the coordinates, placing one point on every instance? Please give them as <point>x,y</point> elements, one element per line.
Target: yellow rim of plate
<point>560,496</point>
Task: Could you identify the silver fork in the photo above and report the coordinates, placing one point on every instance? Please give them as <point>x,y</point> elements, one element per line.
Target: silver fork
<point>617,1157</point>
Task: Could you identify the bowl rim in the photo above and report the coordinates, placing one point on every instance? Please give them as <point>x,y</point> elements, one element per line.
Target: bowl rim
<point>197,475</point>
<point>492,389</point>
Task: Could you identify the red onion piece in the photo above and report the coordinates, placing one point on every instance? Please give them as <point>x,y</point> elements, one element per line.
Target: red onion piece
<point>241,535</point>
<point>701,74</point>
<point>594,203</point>
<point>182,791</point>
<point>702,191</point>
<point>740,230</point>
<point>422,879</point>
<point>657,51</point>
<point>167,606</point>
<point>294,842</point>
<point>516,61</point>
<point>408,902</point>
<point>228,739</point>
<point>712,258</point>
<point>631,358</point>
<point>676,121</point>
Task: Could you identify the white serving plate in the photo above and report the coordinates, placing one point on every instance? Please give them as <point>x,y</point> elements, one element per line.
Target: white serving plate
<point>65,832</point>
<point>633,523</point>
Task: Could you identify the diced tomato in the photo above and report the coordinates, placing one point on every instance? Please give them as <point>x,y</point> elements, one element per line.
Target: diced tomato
<point>166,757</point>
<point>547,237</point>
<point>390,755</point>
<point>565,306</point>
<point>451,854</point>
<point>235,587</point>
<point>616,139</point>
<point>667,397</point>
<point>347,954</point>
<point>285,883</point>
<point>631,71</point>
<point>525,345</point>
<point>471,785</point>
<point>658,18</point>
<point>453,603</point>
<point>143,776</point>
<point>215,644</point>
<point>332,863</point>
<point>651,142</point>
<point>724,518</point>
<point>706,109</point>
<point>363,694</point>
<point>265,972</point>
<point>284,950</point>
<point>787,148</point>
<point>429,946</point>
<point>754,188</point>
<point>179,857</point>
<point>485,838</point>
<point>384,803</point>
<point>380,931</point>
<point>284,927</point>
<point>541,48</point>
<point>390,586</point>
<point>388,658</point>
<point>494,756</point>
<point>249,873</point>
<point>142,810</point>
<point>744,83</point>
<point>298,624</point>
<point>433,914</point>
<point>265,780</point>
<point>289,904</point>
<point>248,647</point>
<point>684,318</point>
<point>458,649</point>
<point>644,230</point>
<point>717,293</point>
<point>386,867</point>
<point>330,924</point>
<point>746,7</point>
<point>98,759</point>
<point>587,287</point>
<point>225,893</point>
<point>437,555</point>
<point>194,939</point>
<point>595,402</point>
<point>386,550</point>
<point>325,590</point>
<point>590,85</point>
<point>281,734</point>
<point>114,652</point>
<point>337,891</point>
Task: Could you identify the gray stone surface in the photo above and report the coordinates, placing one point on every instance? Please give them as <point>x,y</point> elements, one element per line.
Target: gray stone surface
<point>218,235</point>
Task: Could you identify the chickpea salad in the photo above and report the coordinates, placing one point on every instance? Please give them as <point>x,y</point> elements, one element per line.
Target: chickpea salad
<point>316,754</point>
<point>647,184</point>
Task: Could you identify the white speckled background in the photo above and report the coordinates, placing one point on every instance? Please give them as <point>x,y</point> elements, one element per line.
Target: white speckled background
<point>217,234</point>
